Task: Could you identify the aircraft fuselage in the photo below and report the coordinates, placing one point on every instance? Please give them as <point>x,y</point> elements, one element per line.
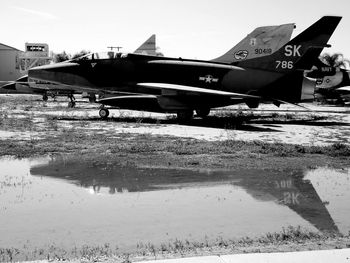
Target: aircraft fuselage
<point>121,74</point>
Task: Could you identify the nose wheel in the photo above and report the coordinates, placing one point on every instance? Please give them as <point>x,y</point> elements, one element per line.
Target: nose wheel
<point>71,104</point>
<point>103,113</point>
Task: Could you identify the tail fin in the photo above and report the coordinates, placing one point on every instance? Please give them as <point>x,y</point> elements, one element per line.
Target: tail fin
<point>148,47</point>
<point>301,52</point>
<point>262,41</point>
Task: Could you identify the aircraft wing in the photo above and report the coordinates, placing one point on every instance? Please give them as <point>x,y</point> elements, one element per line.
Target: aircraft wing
<point>195,90</point>
<point>159,103</point>
<point>194,64</point>
<point>172,89</point>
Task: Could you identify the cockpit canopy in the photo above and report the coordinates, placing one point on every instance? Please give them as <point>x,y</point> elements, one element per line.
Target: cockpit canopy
<point>103,55</point>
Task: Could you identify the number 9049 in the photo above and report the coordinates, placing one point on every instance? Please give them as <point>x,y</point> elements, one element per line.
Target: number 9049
<point>260,51</point>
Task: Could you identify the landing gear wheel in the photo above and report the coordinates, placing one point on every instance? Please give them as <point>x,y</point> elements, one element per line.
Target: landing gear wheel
<point>184,115</point>
<point>45,97</point>
<point>71,104</point>
<point>103,113</point>
<point>202,112</point>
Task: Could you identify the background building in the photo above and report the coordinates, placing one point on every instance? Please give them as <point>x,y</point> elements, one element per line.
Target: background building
<point>36,54</point>
<point>15,63</point>
<point>9,63</point>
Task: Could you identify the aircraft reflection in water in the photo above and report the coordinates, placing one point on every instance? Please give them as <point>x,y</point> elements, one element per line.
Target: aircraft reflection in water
<point>287,188</point>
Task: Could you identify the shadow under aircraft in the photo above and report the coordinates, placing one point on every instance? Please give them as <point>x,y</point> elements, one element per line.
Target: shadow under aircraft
<point>182,86</point>
<point>285,188</point>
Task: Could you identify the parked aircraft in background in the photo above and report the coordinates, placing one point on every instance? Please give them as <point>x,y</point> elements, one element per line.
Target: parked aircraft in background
<point>333,83</point>
<point>149,47</point>
<point>163,84</point>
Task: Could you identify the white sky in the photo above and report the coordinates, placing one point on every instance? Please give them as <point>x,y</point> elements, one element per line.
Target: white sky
<point>201,29</point>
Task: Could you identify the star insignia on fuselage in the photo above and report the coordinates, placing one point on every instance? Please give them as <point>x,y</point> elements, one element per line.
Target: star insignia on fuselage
<point>209,79</point>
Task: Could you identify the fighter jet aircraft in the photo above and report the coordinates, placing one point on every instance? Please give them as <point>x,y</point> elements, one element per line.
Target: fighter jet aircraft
<point>332,83</point>
<point>260,42</point>
<point>336,87</point>
<point>164,84</point>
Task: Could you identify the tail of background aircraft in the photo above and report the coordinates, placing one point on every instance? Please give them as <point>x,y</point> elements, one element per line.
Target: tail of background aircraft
<point>299,53</point>
<point>262,41</point>
<point>148,47</point>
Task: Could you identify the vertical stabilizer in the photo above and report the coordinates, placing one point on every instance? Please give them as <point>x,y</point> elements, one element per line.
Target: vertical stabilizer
<point>261,42</point>
<point>299,53</point>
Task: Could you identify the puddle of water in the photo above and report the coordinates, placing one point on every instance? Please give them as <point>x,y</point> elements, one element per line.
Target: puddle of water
<point>70,202</point>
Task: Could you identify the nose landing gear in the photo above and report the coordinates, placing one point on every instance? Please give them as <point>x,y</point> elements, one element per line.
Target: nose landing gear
<point>71,104</point>
<point>104,113</point>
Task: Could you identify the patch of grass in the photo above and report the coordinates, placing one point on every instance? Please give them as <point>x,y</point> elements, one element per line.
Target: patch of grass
<point>52,123</point>
<point>73,140</point>
<point>180,248</point>
<point>338,150</point>
<point>288,235</point>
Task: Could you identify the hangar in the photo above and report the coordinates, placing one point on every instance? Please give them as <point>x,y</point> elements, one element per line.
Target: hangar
<point>15,63</point>
<point>9,63</point>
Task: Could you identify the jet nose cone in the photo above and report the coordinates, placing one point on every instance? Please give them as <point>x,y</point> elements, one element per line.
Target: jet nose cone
<point>56,73</point>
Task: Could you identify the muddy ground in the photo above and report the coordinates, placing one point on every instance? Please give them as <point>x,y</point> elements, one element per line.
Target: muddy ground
<point>228,139</point>
<point>30,127</point>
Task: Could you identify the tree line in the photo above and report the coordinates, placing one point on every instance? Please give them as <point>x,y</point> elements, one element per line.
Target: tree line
<point>63,56</point>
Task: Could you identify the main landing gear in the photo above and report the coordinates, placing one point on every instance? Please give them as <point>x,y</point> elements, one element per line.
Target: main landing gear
<point>71,104</point>
<point>184,115</point>
<point>203,112</point>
